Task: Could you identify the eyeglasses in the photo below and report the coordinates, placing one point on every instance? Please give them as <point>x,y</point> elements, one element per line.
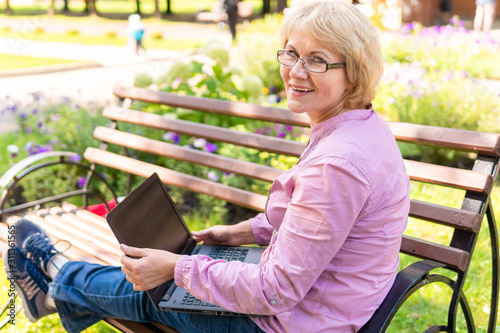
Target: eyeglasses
<point>312,64</point>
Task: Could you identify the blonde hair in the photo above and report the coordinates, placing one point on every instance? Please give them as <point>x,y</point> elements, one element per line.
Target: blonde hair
<point>343,29</point>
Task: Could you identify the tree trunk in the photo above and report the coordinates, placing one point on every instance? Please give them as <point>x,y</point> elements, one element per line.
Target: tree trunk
<point>51,11</point>
<point>157,10</point>
<point>8,10</point>
<point>91,8</point>
<point>138,2</point>
<point>281,6</point>
<point>266,6</point>
<point>66,6</point>
<point>168,10</point>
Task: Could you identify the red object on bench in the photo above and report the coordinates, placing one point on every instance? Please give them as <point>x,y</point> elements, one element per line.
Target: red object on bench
<point>100,209</point>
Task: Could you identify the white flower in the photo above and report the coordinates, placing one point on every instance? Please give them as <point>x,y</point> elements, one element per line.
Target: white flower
<point>13,149</point>
<point>199,143</point>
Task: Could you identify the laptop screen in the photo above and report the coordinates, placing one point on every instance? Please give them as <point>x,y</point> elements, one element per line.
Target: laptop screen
<point>147,218</point>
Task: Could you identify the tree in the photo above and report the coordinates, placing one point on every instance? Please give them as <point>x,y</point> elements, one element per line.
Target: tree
<point>168,10</point>
<point>90,7</point>
<point>157,10</point>
<point>281,6</point>
<point>8,10</point>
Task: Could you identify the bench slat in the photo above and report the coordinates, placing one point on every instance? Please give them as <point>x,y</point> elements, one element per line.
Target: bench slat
<point>224,163</point>
<point>73,253</point>
<point>240,197</point>
<point>450,256</point>
<point>465,140</point>
<point>452,217</point>
<point>471,141</point>
<point>214,133</point>
<point>231,108</point>
<point>447,176</point>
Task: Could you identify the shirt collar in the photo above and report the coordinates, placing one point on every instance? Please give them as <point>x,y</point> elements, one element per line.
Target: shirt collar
<point>331,123</point>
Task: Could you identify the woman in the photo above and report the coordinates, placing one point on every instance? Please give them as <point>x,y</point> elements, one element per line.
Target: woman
<point>333,223</point>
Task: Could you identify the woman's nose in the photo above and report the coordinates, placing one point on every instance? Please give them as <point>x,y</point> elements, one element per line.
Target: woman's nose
<point>298,70</point>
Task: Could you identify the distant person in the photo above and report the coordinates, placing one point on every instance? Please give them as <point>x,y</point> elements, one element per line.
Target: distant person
<point>231,7</point>
<point>446,11</point>
<point>485,14</point>
<point>135,31</point>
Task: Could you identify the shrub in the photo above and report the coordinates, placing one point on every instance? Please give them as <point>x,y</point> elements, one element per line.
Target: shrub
<point>111,34</point>
<point>72,32</point>
<point>157,35</point>
<point>143,80</point>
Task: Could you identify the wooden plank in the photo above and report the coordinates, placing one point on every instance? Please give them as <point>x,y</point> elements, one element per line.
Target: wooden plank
<point>452,217</point>
<point>447,176</point>
<point>90,219</point>
<point>200,185</point>
<point>213,133</point>
<point>452,138</point>
<point>450,256</point>
<point>160,148</point>
<point>104,236</point>
<point>231,108</point>
<point>473,141</point>
<point>55,227</point>
<point>73,253</point>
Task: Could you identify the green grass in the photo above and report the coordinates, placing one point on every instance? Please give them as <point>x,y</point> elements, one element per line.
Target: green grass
<point>9,61</point>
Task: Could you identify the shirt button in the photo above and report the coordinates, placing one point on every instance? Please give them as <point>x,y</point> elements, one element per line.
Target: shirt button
<point>273,301</point>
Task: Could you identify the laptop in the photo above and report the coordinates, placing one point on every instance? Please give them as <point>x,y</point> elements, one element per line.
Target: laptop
<point>148,218</point>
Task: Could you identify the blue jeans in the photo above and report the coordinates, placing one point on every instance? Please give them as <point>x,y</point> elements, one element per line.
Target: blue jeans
<point>85,293</point>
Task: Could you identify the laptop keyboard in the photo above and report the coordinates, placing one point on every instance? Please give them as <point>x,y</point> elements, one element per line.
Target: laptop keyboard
<point>224,253</point>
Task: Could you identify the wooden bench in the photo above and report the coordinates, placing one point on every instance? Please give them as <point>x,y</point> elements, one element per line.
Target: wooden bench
<point>92,240</point>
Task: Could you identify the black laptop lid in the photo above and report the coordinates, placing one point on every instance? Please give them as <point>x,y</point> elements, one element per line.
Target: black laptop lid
<point>147,218</point>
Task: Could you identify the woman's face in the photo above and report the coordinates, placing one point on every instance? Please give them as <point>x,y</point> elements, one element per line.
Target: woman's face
<point>320,95</point>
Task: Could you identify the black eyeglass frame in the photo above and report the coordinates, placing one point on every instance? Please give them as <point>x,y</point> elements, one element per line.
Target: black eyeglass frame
<point>333,65</point>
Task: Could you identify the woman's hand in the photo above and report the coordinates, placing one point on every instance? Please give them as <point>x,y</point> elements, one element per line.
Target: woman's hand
<point>147,268</point>
<point>234,235</point>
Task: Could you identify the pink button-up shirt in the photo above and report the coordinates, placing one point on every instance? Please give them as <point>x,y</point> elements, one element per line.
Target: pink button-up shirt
<point>333,226</point>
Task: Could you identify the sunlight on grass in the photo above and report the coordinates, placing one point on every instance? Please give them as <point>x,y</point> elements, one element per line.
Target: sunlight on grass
<point>9,61</point>
<point>149,41</point>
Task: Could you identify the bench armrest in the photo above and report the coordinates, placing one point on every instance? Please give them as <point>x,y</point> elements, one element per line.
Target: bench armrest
<point>406,280</point>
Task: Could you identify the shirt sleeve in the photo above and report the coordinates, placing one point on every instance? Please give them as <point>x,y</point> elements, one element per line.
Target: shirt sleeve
<point>261,229</point>
<point>327,199</point>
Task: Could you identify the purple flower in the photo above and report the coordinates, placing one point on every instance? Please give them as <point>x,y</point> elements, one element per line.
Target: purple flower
<point>22,115</point>
<point>76,158</point>
<point>281,135</point>
<point>43,149</point>
<point>35,111</point>
<point>289,128</point>
<point>28,130</point>
<point>213,176</point>
<point>211,147</point>
<point>171,136</point>
<point>81,182</point>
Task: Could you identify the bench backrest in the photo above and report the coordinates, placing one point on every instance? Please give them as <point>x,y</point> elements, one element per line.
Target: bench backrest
<point>465,221</point>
